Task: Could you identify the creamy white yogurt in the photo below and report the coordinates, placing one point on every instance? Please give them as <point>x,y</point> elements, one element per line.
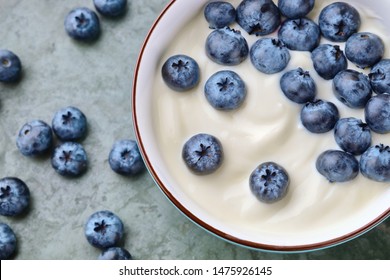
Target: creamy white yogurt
<point>265,128</point>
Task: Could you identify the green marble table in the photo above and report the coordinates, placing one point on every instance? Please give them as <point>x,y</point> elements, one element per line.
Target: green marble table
<point>97,78</point>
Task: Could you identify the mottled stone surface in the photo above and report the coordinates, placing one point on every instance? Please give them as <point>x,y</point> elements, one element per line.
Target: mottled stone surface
<point>97,78</point>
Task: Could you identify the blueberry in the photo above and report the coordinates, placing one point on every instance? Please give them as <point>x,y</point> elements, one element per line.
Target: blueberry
<point>7,242</point>
<point>69,124</point>
<point>258,17</point>
<point>125,158</point>
<point>352,88</point>
<point>14,196</point>
<point>352,135</point>
<point>380,77</point>
<point>269,55</point>
<point>337,166</point>
<point>69,159</point>
<point>364,49</point>
<point>82,24</point>
<point>269,182</point>
<point>295,8</point>
<point>328,60</point>
<point>319,116</point>
<point>338,21</point>
<point>377,113</point>
<point>375,163</point>
<point>298,86</point>
<point>104,229</point>
<point>34,138</point>
<point>180,72</point>
<point>300,34</point>
<point>202,153</point>
<point>110,8</point>
<point>10,67</point>
<point>219,14</point>
<point>115,253</point>
<point>226,46</point>
<point>225,90</point>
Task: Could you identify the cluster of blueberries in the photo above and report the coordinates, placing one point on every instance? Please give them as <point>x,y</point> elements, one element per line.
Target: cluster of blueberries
<point>225,90</point>
<point>69,158</point>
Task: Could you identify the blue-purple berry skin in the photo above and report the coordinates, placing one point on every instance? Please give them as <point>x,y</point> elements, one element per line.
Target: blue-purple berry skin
<point>219,14</point>
<point>298,86</point>
<point>125,158</point>
<point>8,242</point>
<point>377,113</point>
<point>34,138</point>
<point>319,116</point>
<point>82,24</point>
<point>14,197</point>
<point>294,9</point>
<point>104,229</point>
<point>115,253</point>
<point>380,77</point>
<point>69,124</point>
<point>328,60</point>
<point>10,67</point>
<point>375,163</point>
<point>111,8</point>
<point>69,159</point>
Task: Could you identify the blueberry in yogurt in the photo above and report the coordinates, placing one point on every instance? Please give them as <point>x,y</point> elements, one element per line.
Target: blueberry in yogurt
<point>125,158</point>
<point>375,163</point>
<point>14,196</point>
<point>300,34</point>
<point>219,14</point>
<point>269,55</point>
<point>258,17</point>
<point>338,21</point>
<point>8,242</point>
<point>202,153</point>
<point>115,253</point>
<point>319,116</point>
<point>377,113</point>
<point>364,49</point>
<point>69,124</point>
<point>110,8</point>
<point>34,138</point>
<point>180,72</point>
<point>298,86</point>
<point>352,135</point>
<point>69,159</point>
<point>10,67</point>
<point>269,182</point>
<point>337,166</point>
<point>328,60</point>
<point>226,46</point>
<point>380,77</point>
<point>352,88</point>
<point>294,9</point>
<point>82,24</point>
<point>225,90</point>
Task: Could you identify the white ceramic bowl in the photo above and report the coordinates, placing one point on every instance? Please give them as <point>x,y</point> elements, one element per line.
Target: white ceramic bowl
<point>177,14</point>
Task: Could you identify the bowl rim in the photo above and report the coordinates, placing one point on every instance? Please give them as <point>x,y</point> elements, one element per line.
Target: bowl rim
<point>192,217</point>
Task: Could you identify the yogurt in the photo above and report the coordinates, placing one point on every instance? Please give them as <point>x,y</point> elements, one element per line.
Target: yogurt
<point>266,127</point>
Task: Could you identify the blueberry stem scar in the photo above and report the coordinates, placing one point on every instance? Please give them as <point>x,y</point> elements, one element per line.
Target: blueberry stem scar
<point>101,227</point>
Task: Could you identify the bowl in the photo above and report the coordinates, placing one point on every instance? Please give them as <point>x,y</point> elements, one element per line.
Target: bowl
<point>315,214</point>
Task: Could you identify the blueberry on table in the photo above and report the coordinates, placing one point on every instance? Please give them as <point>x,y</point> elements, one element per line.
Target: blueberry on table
<point>337,166</point>
<point>258,17</point>
<point>375,163</point>
<point>269,55</point>
<point>352,88</point>
<point>225,90</point>
<point>298,86</point>
<point>219,14</point>
<point>294,9</point>
<point>115,253</point>
<point>7,242</point>
<point>82,24</point>
<point>226,46</point>
<point>104,229</point>
<point>352,135</point>
<point>14,196</point>
<point>69,124</point>
<point>364,49</point>
<point>300,34</point>
<point>328,60</point>
<point>377,113</point>
<point>180,72</point>
<point>34,138</point>
<point>338,21</point>
<point>110,8</point>
<point>69,159</point>
<point>380,77</point>
<point>269,182</point>
<point>202,153</point>
<point>319,116</point>
<point>10,67</point>
<point>125,158</point>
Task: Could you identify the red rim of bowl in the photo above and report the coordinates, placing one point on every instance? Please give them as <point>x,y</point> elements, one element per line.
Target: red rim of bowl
<point>201,223</point>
